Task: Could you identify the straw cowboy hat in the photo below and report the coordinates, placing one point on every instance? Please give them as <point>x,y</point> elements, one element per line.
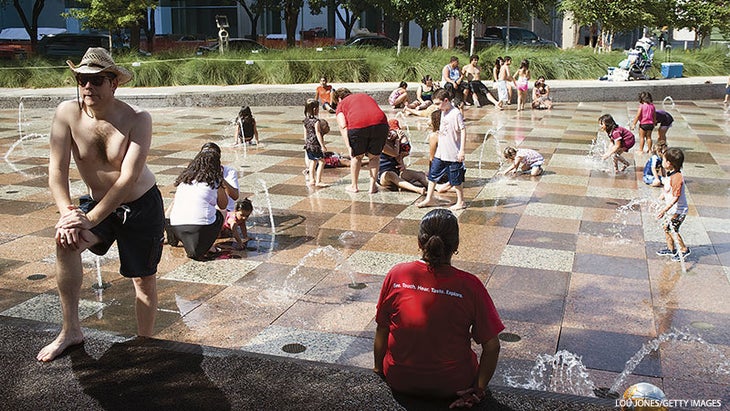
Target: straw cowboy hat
<point>97,60</point>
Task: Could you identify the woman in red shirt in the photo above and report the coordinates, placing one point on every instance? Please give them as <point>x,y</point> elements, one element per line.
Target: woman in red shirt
<point>428,313</point>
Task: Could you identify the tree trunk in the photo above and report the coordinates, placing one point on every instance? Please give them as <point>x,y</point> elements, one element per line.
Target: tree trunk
<point>424,38</point>
<point>134,37</point>
<point>149,30</point>
<point>400,37</point>
<point>291,15</point>
<point>32,26</point>
<point>472,33</point>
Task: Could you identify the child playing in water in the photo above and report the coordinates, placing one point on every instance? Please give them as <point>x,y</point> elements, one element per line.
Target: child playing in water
<point>653,170</point>
<point>246,131</point>
<point>523,83</point>
<point>646,117</point>
<point>523,159</point>
<point>399,97</point>
<point>235,222</point>
<point>622,139</point>
<point>664,120</point>
<point>675,202</point>
<point>314,142</point>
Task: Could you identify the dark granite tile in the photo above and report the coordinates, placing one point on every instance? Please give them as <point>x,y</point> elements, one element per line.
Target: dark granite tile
<point>342,238</point>
<point>16,207</point>
<point>611,229</point>
<point>714,328</point>
<point>488,217</point>
<point>714,212</point>
<point>7,265</point>
<point>529,280</point>
<point>378,209</point>
<point>543,239</point>
<point>522,306</point>
<point>607,265</point>
<point>721,246</point>
<point>608,351</point>
<point>401,226</point>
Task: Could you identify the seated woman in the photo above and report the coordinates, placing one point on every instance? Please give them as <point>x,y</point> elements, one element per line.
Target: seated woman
<point>541,95</point>
<point>424,94</point>
<point>428,313</point>
<point>399,97</point>
<point>194,219</point>
<point>392,170</point>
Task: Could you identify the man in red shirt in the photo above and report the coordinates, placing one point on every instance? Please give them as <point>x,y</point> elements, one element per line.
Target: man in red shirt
<point>364,128</point>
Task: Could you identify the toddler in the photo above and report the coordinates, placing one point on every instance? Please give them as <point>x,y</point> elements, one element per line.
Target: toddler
<point>314,142</point>
<point>246,131</point>
<point>523,159</point>
<point>653,170</point>
<point>675,204</point>
<point>646,117</point>
<point>236,222</point>
<point>622,139</point>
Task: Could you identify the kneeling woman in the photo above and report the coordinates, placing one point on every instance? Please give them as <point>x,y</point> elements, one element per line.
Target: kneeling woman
<point>427,314</point>
<point>194,219</point>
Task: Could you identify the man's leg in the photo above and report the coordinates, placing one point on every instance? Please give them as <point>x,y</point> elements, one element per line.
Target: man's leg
<point>373,167</point>
<point>145,289</point>
<point>355,165</point>
<point>69,276</point>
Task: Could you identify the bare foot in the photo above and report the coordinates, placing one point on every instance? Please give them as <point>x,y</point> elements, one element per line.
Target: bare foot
<point>351,189</point>
<point>309,183</point>
<point>322,185</point>
<point>457,206</point>
<point>373,190</point>
<point>424,204</point>
<point>58,346</point>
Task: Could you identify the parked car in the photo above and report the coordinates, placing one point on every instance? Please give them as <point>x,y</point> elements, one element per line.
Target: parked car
<point>236,44</point>
<point>497,35</point>
<point>70,45</point>
<point>370,40</point>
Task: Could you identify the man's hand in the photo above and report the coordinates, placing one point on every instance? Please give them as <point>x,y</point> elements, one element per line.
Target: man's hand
<point>68,237</point>
<point>75,218</point>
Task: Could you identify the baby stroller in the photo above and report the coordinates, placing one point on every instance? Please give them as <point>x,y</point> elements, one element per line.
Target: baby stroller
<point>639,60</point>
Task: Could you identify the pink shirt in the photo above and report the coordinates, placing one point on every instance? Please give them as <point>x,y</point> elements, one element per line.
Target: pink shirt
<point>647,113</point>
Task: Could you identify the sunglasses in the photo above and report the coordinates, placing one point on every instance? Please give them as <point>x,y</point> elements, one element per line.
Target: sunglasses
<point>95,80</point>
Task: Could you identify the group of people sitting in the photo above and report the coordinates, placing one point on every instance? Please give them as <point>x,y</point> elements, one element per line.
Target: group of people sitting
<point>468,88</point>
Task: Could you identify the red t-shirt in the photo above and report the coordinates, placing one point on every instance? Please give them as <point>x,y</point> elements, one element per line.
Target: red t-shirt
<point>432,317</point>
<point>361,111</point>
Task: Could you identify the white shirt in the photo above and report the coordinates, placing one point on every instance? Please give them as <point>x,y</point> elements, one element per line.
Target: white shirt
<point>231,176</point>
<point>452,122</point>
<point>194,204</point>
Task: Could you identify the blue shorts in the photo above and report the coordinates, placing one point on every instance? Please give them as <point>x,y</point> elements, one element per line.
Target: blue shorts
<point>311,155</point>
<point>649,179</point>
<point>137,227</point>
<point>454,169</point>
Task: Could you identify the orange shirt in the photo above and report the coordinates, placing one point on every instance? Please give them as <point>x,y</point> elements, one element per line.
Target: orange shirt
<point>324,94</point>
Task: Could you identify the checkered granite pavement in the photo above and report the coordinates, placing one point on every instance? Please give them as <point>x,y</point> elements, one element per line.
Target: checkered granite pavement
<point>569,266</point>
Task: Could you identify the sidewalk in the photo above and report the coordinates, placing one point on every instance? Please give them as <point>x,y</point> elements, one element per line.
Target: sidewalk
<point>688,88</point>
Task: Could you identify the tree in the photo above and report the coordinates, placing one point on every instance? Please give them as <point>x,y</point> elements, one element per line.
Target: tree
<point>701,16</point>
<point>401,11</point>
<point>612,17</point>
<point>114,15</point>
<point>30,26</point>
<point>431,17</point>
<point>255,10</point>
<point>352,11</point>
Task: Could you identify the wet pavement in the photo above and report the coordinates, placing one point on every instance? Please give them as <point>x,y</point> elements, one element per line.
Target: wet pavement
<point>569,268</point>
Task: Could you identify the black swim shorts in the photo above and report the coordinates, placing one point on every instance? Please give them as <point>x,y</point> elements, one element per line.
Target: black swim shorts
<point>137,227</point>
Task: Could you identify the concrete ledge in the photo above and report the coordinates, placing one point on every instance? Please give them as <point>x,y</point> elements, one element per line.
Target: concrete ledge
<point>113,372</point>
<point>690,88</point>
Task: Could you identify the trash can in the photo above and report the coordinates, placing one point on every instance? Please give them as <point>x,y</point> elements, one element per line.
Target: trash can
<point>672,70</point>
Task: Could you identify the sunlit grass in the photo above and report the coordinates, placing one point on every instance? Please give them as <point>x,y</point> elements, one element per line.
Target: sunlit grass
<point>344,65</point>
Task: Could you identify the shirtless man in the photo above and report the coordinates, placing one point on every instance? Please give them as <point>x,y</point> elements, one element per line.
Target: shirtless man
<point>502,86</point>
<point>109,141</point>
<point>472,73</point>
